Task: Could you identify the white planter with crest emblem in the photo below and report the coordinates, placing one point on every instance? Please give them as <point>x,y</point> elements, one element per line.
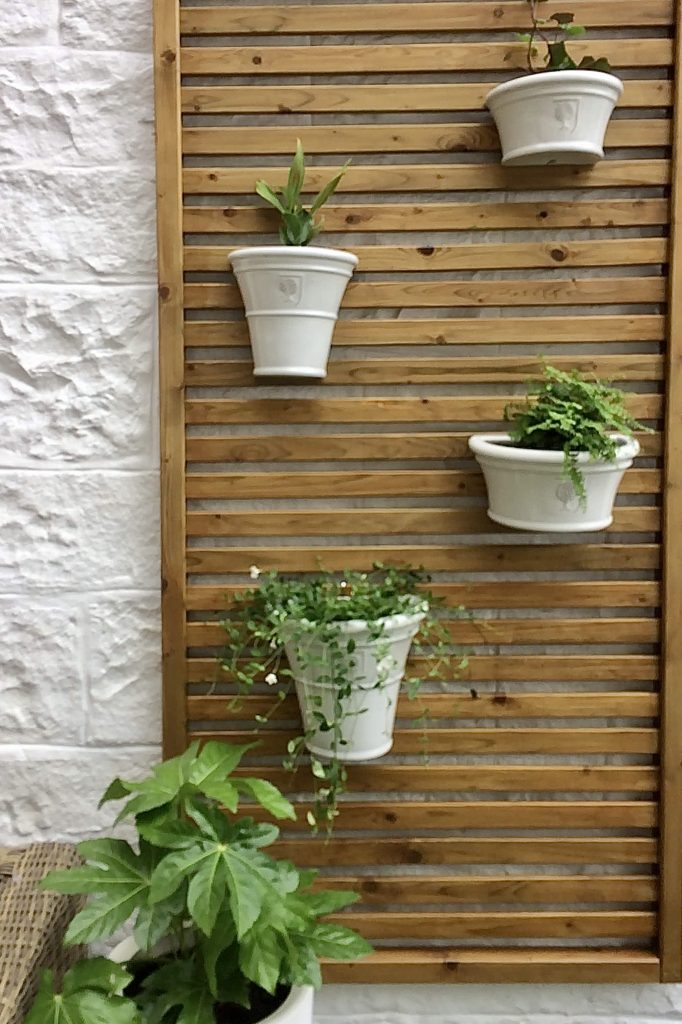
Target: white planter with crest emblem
<point>528,489</point>
<point>554,117</point>
<point>291,296</point>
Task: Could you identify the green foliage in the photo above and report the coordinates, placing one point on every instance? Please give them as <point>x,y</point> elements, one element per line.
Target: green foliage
<point>308,614</point>
<point>572,415</point>
<point>555,32</point>
<point>201,886</point>
<point>299,224</point>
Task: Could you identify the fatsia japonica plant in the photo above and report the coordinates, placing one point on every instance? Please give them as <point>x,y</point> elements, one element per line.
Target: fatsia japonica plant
<point>556,31</point>
<point>219,923</point>
<point>564,412</point>
<point>299,224</point>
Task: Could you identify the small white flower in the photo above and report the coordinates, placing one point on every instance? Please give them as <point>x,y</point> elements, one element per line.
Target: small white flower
<point>254,572</point>
<point>343,584</point>
<point>271,679</point>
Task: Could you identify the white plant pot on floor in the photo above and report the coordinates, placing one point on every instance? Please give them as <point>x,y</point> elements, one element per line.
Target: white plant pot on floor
<point>297,1008</point>
<point>528,489</point>
<point>554,117</point>
<point>291,296</point>
<point>369,710</point>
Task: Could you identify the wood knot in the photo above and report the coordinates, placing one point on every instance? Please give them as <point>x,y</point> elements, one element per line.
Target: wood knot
<point>543,215</point>
<point>256,60</point>
<point>500,698</point>
<point>391,817</point>
<point>168,56</point>
<point>164,292</point>
<point>498,13</point>
<point>426,250</point>
<point>559,254</point>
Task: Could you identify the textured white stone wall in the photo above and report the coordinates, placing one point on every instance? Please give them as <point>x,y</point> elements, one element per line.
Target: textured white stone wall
<point>79,687</point>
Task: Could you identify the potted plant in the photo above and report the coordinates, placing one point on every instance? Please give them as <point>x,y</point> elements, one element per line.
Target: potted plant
<point>292,292</point>
<point>342,644</point>
<point>557,114</point>
<point>559,467</point>
<point>223,932</point>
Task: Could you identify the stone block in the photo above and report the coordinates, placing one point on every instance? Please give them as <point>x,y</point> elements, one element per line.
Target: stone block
<point>29,23</point>
<point>98,25</point>
<point>77,376</point>
<point>77,225</point>
<point>124,670</point>
<point>76,109</point>
<point>53,794</point>
<point>77,531</point>
<point>41,672</point>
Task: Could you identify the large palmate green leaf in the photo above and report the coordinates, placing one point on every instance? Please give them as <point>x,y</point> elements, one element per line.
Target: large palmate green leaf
<point>269,797</point>
<point>91,994</point>
<point>261,954</point>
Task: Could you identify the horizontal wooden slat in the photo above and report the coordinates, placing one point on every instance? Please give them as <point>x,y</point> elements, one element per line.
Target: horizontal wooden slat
<point>382,483</point>
<point>492,966</point>
<point>533,594</point>
<point>524,889</point>
<point>433,177</point>
<point>427,409</point>
<point>537,924</point>
<point>369,99</point>
<point>369,138</point>
<point>471,851</point>
<point>511,255</point>
<point>495,742</point>
<point>469,705</point>
<point>346,447</point>
<point>498,631</point>
<point>408,217</point>
<point>513,668</point>
<point>404,17</point>
<point>499,369</point>
<point>406,58</point>
<point>461,331</point>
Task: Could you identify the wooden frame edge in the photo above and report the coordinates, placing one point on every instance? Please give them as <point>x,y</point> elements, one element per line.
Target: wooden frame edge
<point>171,369</point>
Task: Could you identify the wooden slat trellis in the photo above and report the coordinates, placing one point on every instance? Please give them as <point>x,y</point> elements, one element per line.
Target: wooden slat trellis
<point>542,841</point>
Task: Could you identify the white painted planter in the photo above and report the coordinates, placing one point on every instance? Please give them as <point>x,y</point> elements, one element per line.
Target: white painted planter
<point>297,1008</point>
<point>555,117</point>
<point>528,490</point>
<point>371,706</point>
<point>292,296</point>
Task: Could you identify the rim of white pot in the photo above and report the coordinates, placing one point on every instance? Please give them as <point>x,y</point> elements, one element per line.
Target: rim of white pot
<point>388,622</point>
<point>299,251</point>
<point>537,79</point>
<point>500,447</point>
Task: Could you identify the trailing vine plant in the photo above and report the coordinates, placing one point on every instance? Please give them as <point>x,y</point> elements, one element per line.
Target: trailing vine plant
<point>306,612</point>
<point>555,32</point>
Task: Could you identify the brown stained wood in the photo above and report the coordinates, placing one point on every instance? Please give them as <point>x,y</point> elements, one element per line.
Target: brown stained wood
<point>410,216</point>
<point>595,594</point>
<point>346,447</point>
<point>466,705</point>
<point>492,558</point>
<point>368,99</point>
<point>502,631</point>
<point>492,966</point>
<point>441,177</point>
<point>671,754</point>
<point>427,409</point>
<point>512,255</point>
<point>500,15</point>
<point>169,237</point>
<point>467,369</point>
<point>538,924</point>
<point>351,852</point>
<point>406,58</point>
<point>369,138</point>
<point>493,742</point>
<point>382,483</point>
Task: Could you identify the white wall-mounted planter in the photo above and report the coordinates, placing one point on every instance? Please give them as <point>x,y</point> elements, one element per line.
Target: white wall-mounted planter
<point>292,295</point>
<point>528,490</point>
<point>297,1008</point>
<point>554,117</point>
<point>369,710</point>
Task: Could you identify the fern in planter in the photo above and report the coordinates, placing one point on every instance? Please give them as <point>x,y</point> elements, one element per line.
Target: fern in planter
<point>223,926</point>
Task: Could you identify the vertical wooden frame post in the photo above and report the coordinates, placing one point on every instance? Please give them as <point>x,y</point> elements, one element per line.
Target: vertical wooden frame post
<point>171,360</point>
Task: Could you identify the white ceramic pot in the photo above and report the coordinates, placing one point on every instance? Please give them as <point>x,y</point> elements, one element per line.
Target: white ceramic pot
<point>375,680</point>
<point>528,489</point>
<point>292,295</point>
<point>554,117</point>
<point>297,1008</point>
